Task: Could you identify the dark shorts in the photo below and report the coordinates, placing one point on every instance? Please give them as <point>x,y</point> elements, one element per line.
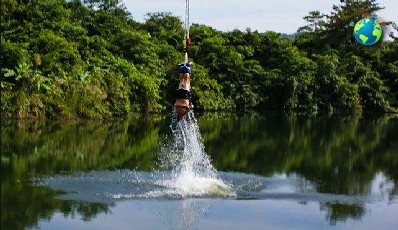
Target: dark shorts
<point>183,94</point>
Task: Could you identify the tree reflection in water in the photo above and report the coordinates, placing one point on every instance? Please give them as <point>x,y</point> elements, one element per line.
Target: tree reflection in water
<point>336,155</point>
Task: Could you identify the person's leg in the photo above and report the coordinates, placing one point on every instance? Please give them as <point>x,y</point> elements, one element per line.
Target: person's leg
<point>185,76</point>
<point>185,81</point>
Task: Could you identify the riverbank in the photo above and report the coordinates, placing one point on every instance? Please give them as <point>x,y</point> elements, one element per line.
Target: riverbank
<point>65,59</point>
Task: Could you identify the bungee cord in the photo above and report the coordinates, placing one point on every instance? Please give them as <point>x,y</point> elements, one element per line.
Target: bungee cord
<point>186,28</point>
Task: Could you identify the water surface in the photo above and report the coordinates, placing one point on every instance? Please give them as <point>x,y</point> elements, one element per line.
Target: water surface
<point>270,171</point>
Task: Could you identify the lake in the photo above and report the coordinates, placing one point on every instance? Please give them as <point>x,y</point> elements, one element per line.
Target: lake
<point>248,171</point>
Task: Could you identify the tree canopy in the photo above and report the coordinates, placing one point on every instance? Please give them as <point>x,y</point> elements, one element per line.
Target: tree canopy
<point>91,59</point>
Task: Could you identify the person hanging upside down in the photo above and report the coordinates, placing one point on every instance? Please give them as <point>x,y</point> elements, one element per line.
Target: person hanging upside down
<point>183,102</point>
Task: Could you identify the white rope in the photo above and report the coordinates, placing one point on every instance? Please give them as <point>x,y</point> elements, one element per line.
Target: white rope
<point>187,25</point>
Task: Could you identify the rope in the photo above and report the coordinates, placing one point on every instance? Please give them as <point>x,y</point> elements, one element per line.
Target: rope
<point>186,37</point>
<point>186,19</point>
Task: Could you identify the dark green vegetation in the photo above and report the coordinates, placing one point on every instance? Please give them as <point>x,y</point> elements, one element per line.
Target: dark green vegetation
<point>340,155</point>
<point>90,59</point>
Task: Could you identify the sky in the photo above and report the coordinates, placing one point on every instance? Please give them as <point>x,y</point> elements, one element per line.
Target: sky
<point>284,16</point>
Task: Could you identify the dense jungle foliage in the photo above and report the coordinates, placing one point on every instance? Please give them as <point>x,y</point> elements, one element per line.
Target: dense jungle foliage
<point>91,59</point>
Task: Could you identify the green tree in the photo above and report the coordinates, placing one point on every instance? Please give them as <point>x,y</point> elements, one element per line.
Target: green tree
<point>315,21</point>
<point>165,27</point>
<point>103,4</point>
<point>91,59</point>
<point>337,31</point>
<point>333,91</point>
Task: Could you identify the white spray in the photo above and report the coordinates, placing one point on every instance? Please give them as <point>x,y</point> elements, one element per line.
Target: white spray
<point>192,173</point>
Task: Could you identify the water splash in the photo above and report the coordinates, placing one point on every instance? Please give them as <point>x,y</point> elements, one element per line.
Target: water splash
<point>192,173</point>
